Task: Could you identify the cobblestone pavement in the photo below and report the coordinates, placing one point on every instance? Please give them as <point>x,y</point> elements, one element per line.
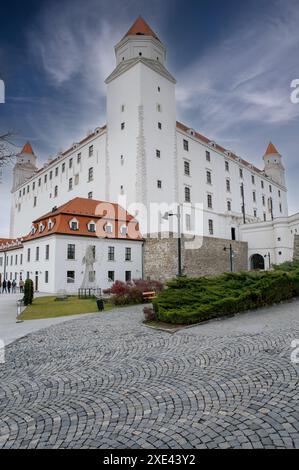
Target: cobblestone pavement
<point>107,381</point>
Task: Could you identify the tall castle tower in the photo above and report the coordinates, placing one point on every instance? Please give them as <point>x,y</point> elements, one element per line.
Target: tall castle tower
<point>273,165</point>
<point>141,157</point>
<point>25,166</point>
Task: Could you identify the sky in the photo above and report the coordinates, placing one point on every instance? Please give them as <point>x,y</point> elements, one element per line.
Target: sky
<point>234,62</point>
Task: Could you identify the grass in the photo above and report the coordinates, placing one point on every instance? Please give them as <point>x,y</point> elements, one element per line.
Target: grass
<point>47,307</point>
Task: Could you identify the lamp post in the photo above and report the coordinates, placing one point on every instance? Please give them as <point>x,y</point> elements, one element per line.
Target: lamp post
<point>269,258</point>
<point>231,256</point>
<point>178,215</point>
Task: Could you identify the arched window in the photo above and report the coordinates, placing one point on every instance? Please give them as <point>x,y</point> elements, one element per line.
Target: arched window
<point>74,224</point>
<point>257,262</point>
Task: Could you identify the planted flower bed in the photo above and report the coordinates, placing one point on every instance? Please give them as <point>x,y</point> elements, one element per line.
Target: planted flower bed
<point>188,301</point>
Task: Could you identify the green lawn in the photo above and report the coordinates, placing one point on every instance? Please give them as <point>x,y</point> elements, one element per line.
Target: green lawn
<point>47,307</point>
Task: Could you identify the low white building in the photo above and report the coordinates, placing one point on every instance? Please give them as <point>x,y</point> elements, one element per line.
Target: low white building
<point>270,242</point>
<point>84,243</point>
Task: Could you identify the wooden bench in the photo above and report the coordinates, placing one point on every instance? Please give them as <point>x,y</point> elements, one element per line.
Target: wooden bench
<point>148,296</point>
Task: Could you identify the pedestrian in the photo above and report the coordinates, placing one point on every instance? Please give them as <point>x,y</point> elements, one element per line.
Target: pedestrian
<point>13,287</point>
<point>21,286</point>
<point>4,286</point>
<point>8,286</point>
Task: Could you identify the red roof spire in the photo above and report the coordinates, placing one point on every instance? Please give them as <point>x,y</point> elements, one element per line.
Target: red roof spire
<point>27,148</point>
<point>271,150</point>
<point>141,28</point>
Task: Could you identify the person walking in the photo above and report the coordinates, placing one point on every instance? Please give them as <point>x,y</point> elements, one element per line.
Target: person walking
<point>4,286</point>
<point>8,286</point>
<point>13,287</point>
<point>21,286</point>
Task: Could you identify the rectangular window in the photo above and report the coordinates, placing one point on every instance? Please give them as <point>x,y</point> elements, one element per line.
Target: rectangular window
<point>70,277</point>
<point>252,179</point>
<point>90,151</point>
<point>47,252</point>
<point>265,217</point>
<point>128,254</point>
<point>56,191</point>
<point>71,251</point>
<point>45,178</point>
<point>70,184</point>
<point>51,174</point>
<point>226,166</point>
<point>254,196</point>
<point>33,186</point>
<point>111,253</point>
<point>208,156</point>
<point>210,201</point>
<point>37,254</point>
<point>241,173</point>
<point>128,276</point>
<point>159,125</point>
<point>211,227</point>
<point>56,171</point>
<point>279,193</point>
<point>228,186</point>
<point>90,174</point>
<point>39,181</point>
<point>46,277</point>
<point>270,188</point>
<point>34,201</point>
<point>159,184</point>
<point>263,200</point>
<point>209,177</point>
<point>111,275</point>
<point>280,208</point>
<point>186,145</point>
<point>122,126</point>
<point>187,168</point>
<point>158,154</point>
<point>187,194</point>
<point>63,167</point>
<point>79,158</point>
<point>255,213</point>
<point>262,184</point>
<point>229,206</point>
<point>21,259</point>
<point>90,195</point>
<point>70,163</point>
<point>28,255</point>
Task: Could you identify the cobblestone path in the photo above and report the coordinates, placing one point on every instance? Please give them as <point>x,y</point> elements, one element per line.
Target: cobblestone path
<point>106,381</point>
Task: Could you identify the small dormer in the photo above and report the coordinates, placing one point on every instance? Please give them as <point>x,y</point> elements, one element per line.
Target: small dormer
<point>91,226</point>
<point>41,227</point>
<point>74,224</point>
<point>212,144</point>
<point>191,132</point>
<point>123,230</point>
<point>108,227</point>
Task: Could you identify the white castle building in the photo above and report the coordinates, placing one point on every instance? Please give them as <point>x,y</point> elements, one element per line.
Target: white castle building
<point>144,154</point>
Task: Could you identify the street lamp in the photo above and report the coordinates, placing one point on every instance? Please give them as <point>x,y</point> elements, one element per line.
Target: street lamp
<point>231,256</point>
<point>178,215</point>
<point>269,258</point>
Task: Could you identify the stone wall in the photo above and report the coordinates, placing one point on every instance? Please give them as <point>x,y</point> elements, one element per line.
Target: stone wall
<point>161,257</point>
<point>296,248</point>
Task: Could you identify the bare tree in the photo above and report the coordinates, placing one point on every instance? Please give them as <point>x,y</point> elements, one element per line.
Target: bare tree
<point>7,149</point>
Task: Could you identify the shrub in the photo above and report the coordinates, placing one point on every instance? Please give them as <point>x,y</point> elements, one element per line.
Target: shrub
<point>126,293</point>
<point>28,292</point>
<point>190,301</point>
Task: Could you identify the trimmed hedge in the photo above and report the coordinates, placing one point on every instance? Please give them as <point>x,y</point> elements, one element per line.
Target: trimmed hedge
<point>188,301</point>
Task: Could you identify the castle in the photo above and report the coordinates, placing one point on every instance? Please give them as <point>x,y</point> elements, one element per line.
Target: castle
<point>144,155</point>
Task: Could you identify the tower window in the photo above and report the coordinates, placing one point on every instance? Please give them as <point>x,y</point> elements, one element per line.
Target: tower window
<point>159,125</point>
<point>90,151</point>
<point>122,108</point>
<point>262,184</point>
<point>252,179</point>
<point>226,166</point>
<point>158,153</point>
<point>209,177</point>
<point>56,171</point>
<point>70,163</point>
<point>208,156</point>
<point>111,253</point>
<point>159,109</point>
<point>187,168</point>
<point>254,196</point>
<point>159,89</point>
<point>229,206</point>
<point>34,201</point>
<point>140,54</point>
<point>45,178</point>
<point>228,185</point>
<point>70,184</point>
<point>79,158</point>
<point>56,191</point>
<point>186,145</point>
<point>210,201</point>
<point>211,227</point>
<point>241,173</point>
<point>159,184</point>
<point>90,195</point>
<point>122,126</point>
<point>187,194</point>
<point>90,174</point>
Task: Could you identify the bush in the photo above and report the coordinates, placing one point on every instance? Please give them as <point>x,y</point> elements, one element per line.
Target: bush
<point>188,301</point>
<point>128,293</point>
<point>28,292</point>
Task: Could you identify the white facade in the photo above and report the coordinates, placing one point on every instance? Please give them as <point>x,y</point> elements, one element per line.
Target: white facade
<point>46,261</point>
<point>142,154</point>
<point>272,240</point>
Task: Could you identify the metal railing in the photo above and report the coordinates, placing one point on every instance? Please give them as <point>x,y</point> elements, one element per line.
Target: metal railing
<point>89,293</point>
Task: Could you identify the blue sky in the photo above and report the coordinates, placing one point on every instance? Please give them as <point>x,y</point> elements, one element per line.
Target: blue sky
<point>234,62</point>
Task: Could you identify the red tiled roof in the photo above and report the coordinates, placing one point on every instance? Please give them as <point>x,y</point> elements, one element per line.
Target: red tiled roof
<point>141,28</point>
<point>27,148</point>
<point>271,150</point>
<point>85,211</point>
